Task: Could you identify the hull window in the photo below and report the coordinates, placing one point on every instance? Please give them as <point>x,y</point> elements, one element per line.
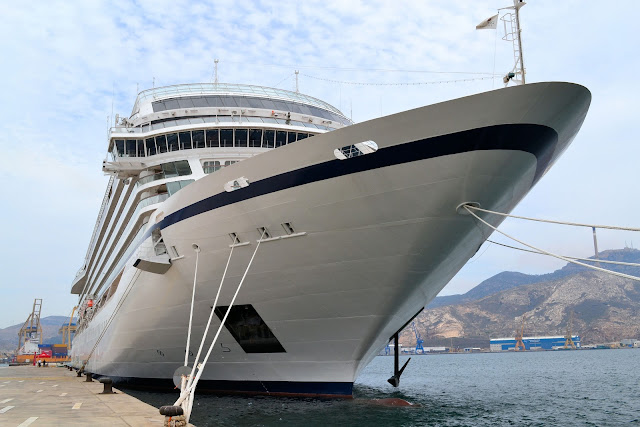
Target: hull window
<point>249,329</point>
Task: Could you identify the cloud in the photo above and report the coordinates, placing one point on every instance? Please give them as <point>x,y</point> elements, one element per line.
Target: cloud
<point>70,62</point>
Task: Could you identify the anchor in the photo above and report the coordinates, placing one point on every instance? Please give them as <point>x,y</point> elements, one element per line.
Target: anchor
<point>397,371</point>
<point>395,379</point>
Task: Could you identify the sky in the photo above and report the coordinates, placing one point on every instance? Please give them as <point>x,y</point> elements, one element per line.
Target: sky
<point>69,66</point>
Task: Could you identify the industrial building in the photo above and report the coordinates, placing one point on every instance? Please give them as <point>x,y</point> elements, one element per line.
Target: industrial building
<point>533,343</point>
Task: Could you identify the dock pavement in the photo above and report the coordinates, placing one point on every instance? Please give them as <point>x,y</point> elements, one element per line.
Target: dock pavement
<point>55,396</point>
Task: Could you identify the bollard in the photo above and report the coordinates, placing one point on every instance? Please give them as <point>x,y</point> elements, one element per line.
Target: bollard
<point>79,373</point>
<point>106,381</point>
<point>89,377</point>
<point>173,416</point>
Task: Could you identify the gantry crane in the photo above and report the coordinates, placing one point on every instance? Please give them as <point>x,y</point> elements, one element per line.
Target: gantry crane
<point>419,340</point>
<point>31,330</point>
<point>519,343</point>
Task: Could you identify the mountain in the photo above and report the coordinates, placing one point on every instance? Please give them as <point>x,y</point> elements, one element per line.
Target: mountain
<point>605,308</point>
<point>50,326</point>
<point>511,279</point>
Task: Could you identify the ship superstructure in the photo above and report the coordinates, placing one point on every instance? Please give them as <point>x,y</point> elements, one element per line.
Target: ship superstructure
<point>358,226</point>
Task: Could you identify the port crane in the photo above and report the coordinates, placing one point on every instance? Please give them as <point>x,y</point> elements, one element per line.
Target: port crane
<point>568,339</point>
<point>419,341</point>
<point>67,329</point>
<point>31,330</point>
<point>519,343</point>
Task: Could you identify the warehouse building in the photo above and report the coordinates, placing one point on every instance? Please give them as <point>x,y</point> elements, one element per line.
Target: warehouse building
<point>532,343</point>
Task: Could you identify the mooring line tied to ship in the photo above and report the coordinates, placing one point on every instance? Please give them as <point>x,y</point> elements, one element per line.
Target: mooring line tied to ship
<point>190,382</point>
<point>471,207</point>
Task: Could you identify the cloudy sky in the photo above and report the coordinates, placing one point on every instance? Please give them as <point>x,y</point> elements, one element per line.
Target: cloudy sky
<point>67,65</point>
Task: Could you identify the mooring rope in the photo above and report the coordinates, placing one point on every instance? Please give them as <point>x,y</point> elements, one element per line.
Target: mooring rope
<point>193,382</point>
<point>193,297</point>
<point>206,331</point>
<point>593,267</point>
<point>604,261</point>
<point>550,221</point>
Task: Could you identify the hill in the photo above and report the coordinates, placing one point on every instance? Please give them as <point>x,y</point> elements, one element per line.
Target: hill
<point>606,308</point>
<point>50,327</point>
<point>511,279</point>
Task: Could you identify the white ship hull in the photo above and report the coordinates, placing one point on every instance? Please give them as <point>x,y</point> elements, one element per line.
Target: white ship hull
<point>376,238</point>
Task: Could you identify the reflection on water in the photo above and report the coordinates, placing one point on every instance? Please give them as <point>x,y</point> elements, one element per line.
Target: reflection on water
<point>598,387</point>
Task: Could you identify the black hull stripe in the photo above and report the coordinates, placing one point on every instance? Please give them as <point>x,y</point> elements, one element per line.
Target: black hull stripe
<point>538,140</point>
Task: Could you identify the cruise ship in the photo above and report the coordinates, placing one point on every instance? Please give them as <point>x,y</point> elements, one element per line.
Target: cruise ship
<point>359,226</point>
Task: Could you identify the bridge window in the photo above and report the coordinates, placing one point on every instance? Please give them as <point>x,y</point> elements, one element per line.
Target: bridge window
<point>212,138</point>
<point>198,138</point>
<point>151,147</point>
<point>161,143</point>
<point>302,136</point>
<point>281,138</point>
<point>131,147</point>
<point>226,137</point>
<point>269,138</point>
<point>255,137</point>
<point>185,140</point>
<point>140,144</point>
<point>291,137</point>
<point>241,137</point>
<point>172,142</point>
<point>120,147</point>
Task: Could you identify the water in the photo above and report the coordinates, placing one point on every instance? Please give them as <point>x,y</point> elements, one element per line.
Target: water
<point>597,388</point>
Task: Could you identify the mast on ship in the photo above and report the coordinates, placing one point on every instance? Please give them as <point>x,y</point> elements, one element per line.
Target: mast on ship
<point>512,33</point>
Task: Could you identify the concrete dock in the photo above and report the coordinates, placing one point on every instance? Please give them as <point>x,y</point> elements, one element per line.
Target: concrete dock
<point>52,396</point>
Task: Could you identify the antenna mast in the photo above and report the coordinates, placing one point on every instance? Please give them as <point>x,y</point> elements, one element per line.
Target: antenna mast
<point>512,33</point>
<point>215,71</point>
<point>297,88</point>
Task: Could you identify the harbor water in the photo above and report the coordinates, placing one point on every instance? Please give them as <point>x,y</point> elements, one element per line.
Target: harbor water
<point>596,387</point>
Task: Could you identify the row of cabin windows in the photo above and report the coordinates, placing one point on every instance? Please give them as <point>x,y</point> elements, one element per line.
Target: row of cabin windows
<point>265,138</point>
